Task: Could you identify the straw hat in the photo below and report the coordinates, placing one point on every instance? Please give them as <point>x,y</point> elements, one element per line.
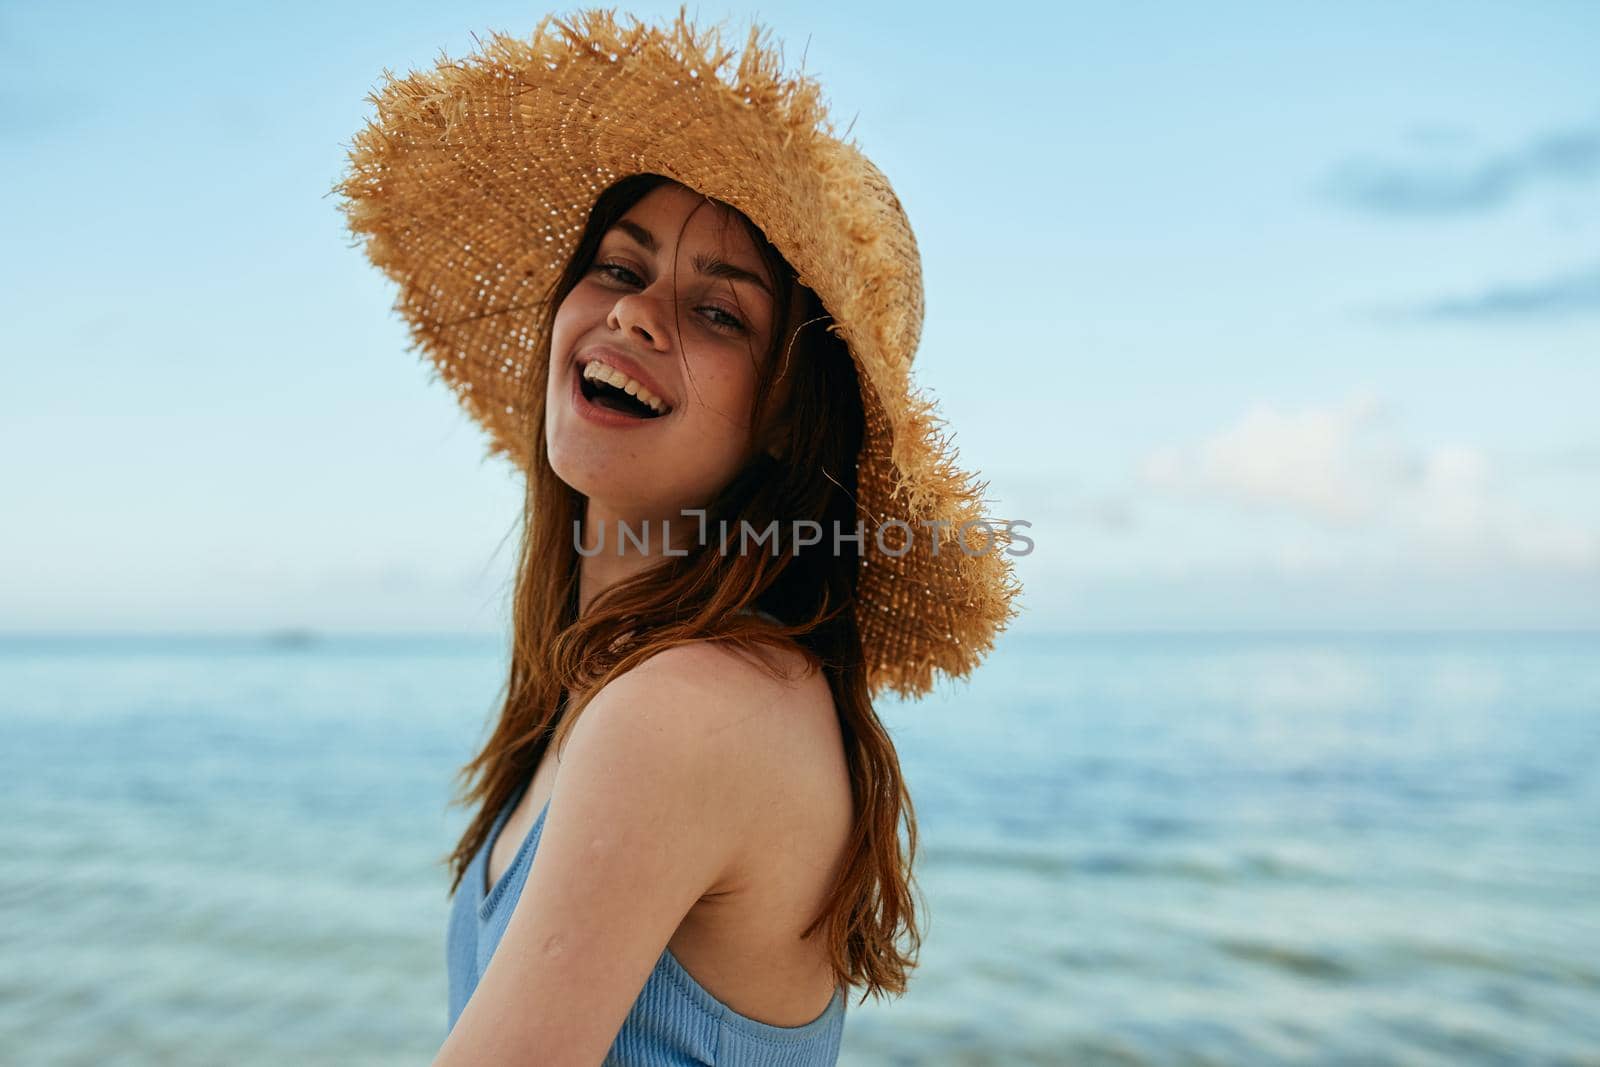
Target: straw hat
<point>474,182</point>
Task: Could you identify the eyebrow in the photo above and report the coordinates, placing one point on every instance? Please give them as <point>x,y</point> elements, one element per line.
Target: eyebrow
<point>703,263</point>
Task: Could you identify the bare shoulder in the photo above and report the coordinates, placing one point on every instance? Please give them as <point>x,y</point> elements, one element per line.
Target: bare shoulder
<point>678,777</point>
<point>718,714</point>
<point>782,677</point>
<point>720,687</point>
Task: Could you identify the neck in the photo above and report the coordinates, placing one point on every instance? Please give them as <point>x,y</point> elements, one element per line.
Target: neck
<point>609,555</point>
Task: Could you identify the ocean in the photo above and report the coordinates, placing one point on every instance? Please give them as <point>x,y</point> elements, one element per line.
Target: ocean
<point>1134,849</point>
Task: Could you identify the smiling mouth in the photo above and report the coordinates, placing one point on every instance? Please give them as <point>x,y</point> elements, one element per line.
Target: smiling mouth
<point>604,394</point>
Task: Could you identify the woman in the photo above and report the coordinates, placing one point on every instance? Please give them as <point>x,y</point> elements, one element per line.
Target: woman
<point>686,847</point>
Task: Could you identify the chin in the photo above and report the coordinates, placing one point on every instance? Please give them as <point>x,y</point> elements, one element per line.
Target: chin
<point>616,483</point>
<point>579,470</point>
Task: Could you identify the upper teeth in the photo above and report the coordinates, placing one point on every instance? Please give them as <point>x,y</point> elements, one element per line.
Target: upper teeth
<point>610,375</point>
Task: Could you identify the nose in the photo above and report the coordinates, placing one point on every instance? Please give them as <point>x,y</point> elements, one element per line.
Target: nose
<point>640,315</point>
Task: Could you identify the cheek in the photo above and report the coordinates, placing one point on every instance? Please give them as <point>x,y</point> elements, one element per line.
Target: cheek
<point>575,317</point>
<point>724,396</point>
<point>570,317</point>
<point>719,372</point>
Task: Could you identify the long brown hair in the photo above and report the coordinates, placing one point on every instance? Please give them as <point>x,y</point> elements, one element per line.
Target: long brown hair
<point>559,659</point>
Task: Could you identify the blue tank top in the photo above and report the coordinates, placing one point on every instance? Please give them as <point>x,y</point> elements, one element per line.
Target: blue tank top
<point>675,1022</point>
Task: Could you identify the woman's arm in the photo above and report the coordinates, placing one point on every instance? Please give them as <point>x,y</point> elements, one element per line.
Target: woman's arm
<point>656,796</point>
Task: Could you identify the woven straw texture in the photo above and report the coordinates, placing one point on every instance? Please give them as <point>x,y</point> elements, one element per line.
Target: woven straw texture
<point>471,186</point>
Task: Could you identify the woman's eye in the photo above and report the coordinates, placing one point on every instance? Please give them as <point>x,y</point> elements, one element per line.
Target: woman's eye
<point>718,317</point>
<point>611,270</point>
<point>731,322</point>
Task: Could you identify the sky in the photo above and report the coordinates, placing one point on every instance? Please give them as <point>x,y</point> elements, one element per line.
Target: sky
<point>1265,316</point>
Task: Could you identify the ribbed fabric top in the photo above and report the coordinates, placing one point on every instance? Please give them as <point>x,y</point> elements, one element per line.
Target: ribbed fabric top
<point>675,1022</point>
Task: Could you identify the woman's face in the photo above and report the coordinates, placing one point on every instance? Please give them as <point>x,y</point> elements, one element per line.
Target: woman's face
<point>692,342</point>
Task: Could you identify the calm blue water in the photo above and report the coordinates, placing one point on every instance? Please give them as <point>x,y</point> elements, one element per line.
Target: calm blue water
<point>1135,850</point>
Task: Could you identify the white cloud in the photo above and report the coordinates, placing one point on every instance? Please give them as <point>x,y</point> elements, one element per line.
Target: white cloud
<point>1347,467</point>
<point>1340,464</point>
